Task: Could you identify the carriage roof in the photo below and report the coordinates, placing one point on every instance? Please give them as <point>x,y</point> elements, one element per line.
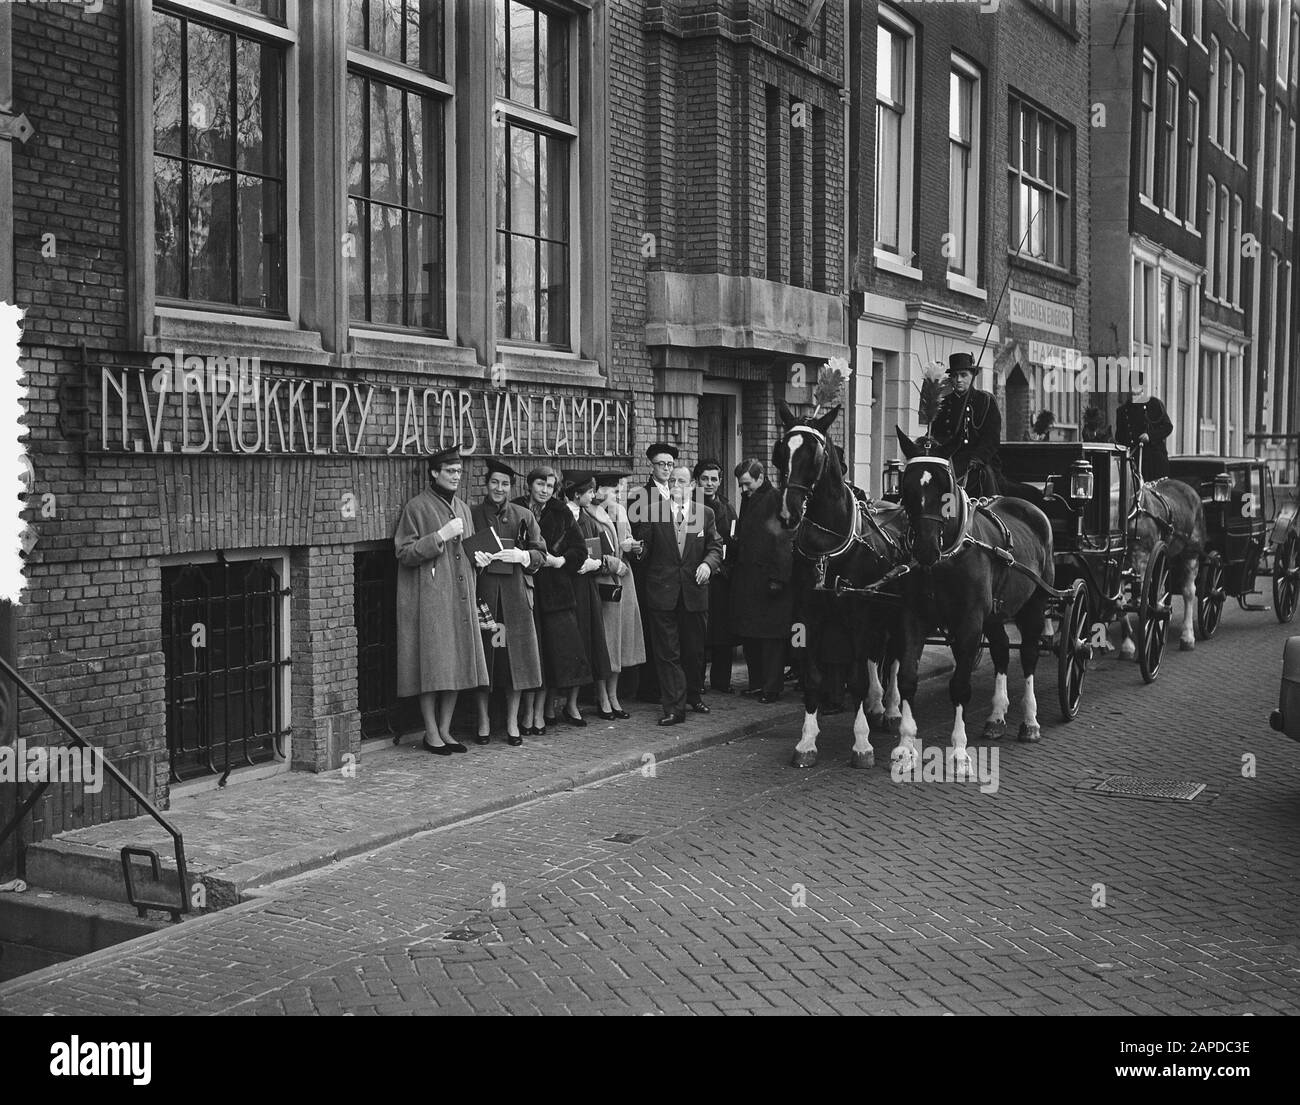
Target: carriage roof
<point>1199,465</point>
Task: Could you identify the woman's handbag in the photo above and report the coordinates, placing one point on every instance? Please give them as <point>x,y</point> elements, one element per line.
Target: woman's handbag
<point>610,592</point>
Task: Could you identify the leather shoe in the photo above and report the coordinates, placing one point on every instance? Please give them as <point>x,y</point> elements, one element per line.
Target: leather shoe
<point>437,749</point>
<point>483,738</point>
<point>672,719</point>
<point>699,707</point>
<point>622,715</point>
<point>456,746</point>
<point>514,742</point>
<point>579,721</point>
<point>610,716</point>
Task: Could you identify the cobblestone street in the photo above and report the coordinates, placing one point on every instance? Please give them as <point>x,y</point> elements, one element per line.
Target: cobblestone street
<point>729,882</point>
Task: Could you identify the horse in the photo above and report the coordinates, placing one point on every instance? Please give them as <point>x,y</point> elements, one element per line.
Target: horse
<point>1171,511</point>
<point>969,583</point>
<point>840,535</point>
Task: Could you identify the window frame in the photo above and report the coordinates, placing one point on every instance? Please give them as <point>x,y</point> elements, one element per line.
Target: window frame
<point>1191,151</point>
<point>1053,192</point>
<point>148,308</point>
<point>1148,129</point>
<point>964,69</point>
<point>1211,234</point>
<point>901,261</point>
<point>1275,142</point>
<point>1172,153</point>
<point>532,119</point>
<point>442,89</point>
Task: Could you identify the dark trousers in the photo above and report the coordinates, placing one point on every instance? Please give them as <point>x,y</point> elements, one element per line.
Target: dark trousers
<point>719,656</point>
<point>765,658</point>
<point>679,655</point>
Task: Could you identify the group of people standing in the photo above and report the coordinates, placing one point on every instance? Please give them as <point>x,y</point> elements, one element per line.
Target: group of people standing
<point>574,582</point>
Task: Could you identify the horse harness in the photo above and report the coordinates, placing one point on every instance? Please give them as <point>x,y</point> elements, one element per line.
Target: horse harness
<point>863,520</point>
<point>1164,525</point>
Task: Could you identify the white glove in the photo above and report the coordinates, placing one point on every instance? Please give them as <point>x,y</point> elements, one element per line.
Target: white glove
<point>589,565</point>
<point>454,528</point>
<point>513,556</point>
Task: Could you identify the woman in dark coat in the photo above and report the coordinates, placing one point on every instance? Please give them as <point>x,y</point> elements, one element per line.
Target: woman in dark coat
<point>1146,424</point>
<point>514,664</point>
<point>761,598</point>
<point>564,658</point>
<point>579,488</point>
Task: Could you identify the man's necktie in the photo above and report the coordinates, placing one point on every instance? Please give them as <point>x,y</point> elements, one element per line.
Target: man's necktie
<point>679,518</point>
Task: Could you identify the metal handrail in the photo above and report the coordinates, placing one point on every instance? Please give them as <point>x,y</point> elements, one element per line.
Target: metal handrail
<point>141,904</point>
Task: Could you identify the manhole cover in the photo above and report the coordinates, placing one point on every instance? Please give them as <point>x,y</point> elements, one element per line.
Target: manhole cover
<point>624,838</point>
<point>1135,786</point>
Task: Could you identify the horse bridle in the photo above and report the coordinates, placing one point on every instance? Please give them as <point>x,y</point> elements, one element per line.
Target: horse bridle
<point>960,541</point>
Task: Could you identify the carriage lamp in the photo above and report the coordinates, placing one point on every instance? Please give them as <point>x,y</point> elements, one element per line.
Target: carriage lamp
<point>893,476</point>
<point>1222,487</point>
<point>1081,481</point>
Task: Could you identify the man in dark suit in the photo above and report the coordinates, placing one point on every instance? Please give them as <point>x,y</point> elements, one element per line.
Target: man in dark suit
<point>647,504</point>
<point>969,426</point>
<point>681,553</point>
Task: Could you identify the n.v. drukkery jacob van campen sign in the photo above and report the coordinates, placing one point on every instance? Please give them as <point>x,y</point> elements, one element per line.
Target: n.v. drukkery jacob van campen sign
<point>236,409</point>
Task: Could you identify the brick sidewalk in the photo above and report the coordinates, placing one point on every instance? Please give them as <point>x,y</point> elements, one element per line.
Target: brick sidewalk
<point>728,882</point>
<point>249,834</point>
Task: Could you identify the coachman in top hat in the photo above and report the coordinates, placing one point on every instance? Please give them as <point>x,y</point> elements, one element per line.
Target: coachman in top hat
<point>969,428</point>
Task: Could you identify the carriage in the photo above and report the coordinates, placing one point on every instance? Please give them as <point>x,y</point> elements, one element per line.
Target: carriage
<point>1088,491</point>
<point>1241,539</point>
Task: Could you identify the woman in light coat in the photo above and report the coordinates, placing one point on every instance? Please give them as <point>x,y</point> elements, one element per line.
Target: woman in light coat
<point>624,633</point>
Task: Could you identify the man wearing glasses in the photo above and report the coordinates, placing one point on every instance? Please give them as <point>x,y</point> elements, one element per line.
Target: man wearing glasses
<point>648,504</point>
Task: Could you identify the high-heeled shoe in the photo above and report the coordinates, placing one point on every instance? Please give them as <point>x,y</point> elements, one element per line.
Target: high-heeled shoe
<point>622,715</point>
<point>579,722</point>
<point>606,715</point>
<point>437,749</point>
<point>527,731</point>
<point>456,746</point>
<point>515,739</point>
<point>539,731</point>
<point>483,738</point>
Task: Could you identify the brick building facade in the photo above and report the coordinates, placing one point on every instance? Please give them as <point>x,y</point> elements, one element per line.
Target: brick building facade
<point>272,253</point>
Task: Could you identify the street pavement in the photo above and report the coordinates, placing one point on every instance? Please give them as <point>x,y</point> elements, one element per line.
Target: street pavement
<point>725,881</point>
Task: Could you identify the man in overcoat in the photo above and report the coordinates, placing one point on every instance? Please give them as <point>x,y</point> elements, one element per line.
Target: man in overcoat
<point>721,644</point>
<point>439,647</point>
<point>969,426</point>
<point>649,503</point>
<point>681,554</point>
<point>514,663</point>
<point>761,599</point>
<point>1146,423</point>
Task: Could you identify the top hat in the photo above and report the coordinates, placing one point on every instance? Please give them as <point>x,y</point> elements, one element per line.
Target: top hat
<point>962,362</point>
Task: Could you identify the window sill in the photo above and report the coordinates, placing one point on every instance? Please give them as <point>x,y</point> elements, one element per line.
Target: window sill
<point>524,364</point>
<point>1056,21</point>
<point>1174,219</point>
<point>1043,268</point>
<point>210,334</point>
<point>890,263</point>
<point>965,287</point>
<point>382,349</point>
<point>1148,204</point>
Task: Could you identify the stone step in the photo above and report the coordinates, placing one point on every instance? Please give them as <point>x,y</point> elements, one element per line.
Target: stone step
<point>39,928</point>
<point>97,872</point>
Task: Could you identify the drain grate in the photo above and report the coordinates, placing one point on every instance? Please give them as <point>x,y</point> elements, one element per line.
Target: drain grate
<point>1135,786</point>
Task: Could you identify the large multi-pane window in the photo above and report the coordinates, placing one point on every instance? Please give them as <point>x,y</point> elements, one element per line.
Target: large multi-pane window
<point>1146,165</point>
<point>1143,336</point>
<point>1041,172</point>
<point>1239,115</point>
<point>219,162</point>
<point>1211,238</point>
<point>1173,107</point>
<point>1191,159</point>
<point>1277,159</point>
<point>534,141</point>
<point>1225,100</point>
<point>963,169</point>
<point>894,120</point>
<point>396,103</point>
<point>1221,288</point>
<point>1215,62</point>
<point>1234,251</point>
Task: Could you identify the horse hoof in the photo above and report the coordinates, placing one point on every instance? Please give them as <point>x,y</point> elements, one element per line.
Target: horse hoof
<point>1186,646</point>
<point>863,759</point>
<point>895,725</point>
<point>995,730</point>
<point>804,759</point>
<point>1030,734</point>
<point>877,721</point>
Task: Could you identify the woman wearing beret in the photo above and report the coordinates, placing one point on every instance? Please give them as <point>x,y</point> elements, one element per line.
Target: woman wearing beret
<point>624,633</point>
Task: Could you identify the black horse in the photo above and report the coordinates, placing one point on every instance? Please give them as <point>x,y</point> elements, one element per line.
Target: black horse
<point>840,536</point>
<point>968,585</point>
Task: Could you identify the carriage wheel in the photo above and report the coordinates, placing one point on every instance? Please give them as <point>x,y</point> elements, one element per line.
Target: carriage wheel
<point>1209,597</point>
<point>1073,652</point>
<point>1153,613</point>
<point>1286,580</point>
